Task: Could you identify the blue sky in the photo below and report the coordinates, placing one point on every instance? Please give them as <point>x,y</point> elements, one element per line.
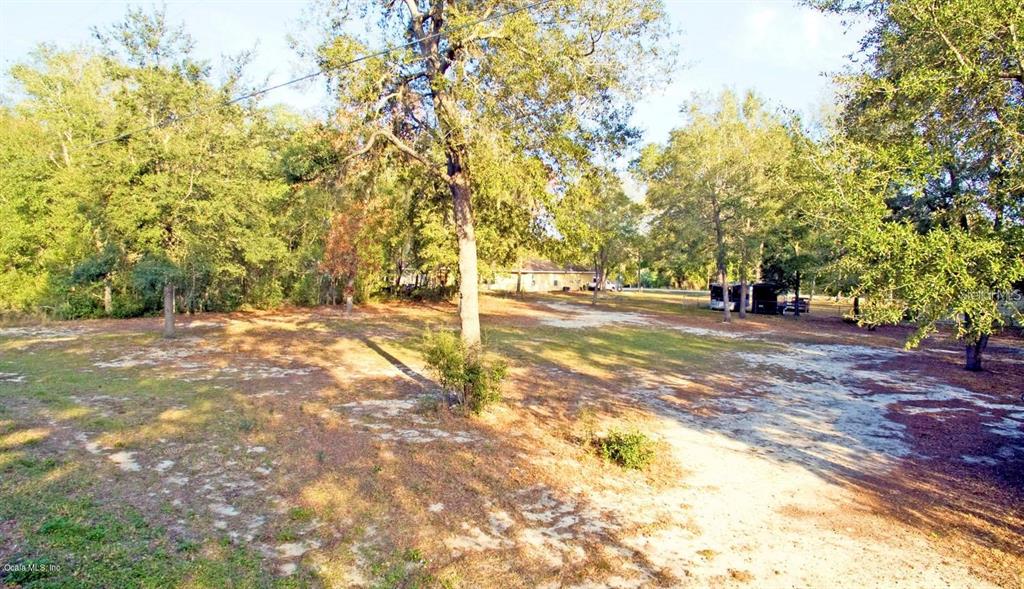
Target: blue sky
<point>777,48</point>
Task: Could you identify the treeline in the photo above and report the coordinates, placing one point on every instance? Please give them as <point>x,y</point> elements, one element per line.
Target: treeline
<point>124,171</point>
<point>134,181</point>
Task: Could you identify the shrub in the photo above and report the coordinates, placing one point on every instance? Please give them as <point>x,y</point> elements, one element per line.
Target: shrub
<point>474,382</point>
<point>80,303</point>
<point>629,449</point>
<point>265,293</point>
<point>128,305</point>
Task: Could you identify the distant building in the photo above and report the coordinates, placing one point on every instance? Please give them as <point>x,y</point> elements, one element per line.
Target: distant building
<point>541,276</point>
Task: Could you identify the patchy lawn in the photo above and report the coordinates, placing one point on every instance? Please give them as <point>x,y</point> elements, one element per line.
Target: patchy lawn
<point>304,448</point>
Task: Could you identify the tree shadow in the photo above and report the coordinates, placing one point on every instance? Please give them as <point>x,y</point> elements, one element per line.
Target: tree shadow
<point>424,383</point>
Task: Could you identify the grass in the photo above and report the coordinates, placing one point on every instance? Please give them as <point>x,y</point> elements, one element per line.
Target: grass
<point>69,512</point>
<point>606,351</point>
<point>69,539</point>
<point>402,569</point>
<point>70,530</point>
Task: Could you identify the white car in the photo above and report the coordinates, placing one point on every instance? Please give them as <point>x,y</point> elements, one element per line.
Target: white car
<point>608,285</point>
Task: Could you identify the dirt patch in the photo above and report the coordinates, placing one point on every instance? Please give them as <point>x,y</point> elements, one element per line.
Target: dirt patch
<point>12,377</point>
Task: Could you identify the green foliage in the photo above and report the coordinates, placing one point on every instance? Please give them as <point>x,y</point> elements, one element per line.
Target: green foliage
<point>301,514</point>
<point>96,267</point>
<point>78,303</point>
<point>475,382</point>
<point>235,207</point>
<point>943,273</point>
<point>490,117</point>
<point>598,224</point>
<point>202,203</point>
<point>629,449</point>
<point>921,184</point>
<point>151,273</point>
<point>722,188</point>
<point>128,305</point>
<point>265,293</point>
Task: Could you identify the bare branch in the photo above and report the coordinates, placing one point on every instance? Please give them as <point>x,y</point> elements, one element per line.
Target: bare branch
<point>402,147</point>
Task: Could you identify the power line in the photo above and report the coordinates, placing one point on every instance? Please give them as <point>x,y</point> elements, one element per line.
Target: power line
<point>174,119</point>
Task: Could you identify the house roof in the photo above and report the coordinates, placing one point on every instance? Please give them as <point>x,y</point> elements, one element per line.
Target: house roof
<point>537,265</point>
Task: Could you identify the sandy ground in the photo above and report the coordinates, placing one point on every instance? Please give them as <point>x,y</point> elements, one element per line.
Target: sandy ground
<point>762,494</point>
<point>816,458</point>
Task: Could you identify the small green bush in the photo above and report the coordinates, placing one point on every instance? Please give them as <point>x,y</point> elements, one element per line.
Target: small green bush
<point>474,382</point>
<point>628,449</point>
<point>128,305</point>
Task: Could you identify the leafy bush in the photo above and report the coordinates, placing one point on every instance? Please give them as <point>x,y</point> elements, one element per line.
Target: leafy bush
<point>266,293</point>
<point>629,449</point>
<point>128,305</point>
<point>305,291</point>
<point>474,382</point>
<point>80,303</point>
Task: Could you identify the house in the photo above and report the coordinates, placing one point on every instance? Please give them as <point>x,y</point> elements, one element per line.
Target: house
<point>537,275</point>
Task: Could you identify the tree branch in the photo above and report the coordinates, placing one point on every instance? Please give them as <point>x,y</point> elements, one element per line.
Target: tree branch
<point>402,147</point>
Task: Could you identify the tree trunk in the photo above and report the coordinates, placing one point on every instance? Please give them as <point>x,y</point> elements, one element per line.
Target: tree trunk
<point>796,308</point>
<point>974,352</point>
<point>856,307</point>
<point>760,261</point>
<point>350,287</point>
<point>726,311</point>
<point>469,296</point>
<point>519,283</point>
<point>168,310</point>
<point>108,298</point>
<point>721,258</point>
<point>743,295</point>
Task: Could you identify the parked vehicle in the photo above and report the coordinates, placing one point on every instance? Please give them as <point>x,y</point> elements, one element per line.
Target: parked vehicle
<point>608,285</point>
<point>762,297</point>
<point>790,306</point>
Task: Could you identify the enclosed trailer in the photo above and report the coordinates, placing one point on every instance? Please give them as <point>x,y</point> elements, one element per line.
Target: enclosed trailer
<point>765,298</point>
<point>718,302</point>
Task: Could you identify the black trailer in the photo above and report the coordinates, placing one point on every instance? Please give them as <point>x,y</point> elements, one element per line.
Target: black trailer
<point>765,298</point>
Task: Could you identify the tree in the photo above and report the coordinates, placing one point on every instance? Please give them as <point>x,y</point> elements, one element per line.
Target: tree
<point>137,164</point>
<point>935,121</point>
<point>47,235</point>
<point>948,273</point>
<point>597,222</point>
<point>465,83</point>
<point>720,184</point>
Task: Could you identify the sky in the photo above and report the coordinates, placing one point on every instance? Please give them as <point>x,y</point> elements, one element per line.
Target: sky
<point>775,47</point>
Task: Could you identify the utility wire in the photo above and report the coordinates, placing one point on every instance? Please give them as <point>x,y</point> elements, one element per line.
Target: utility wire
<point>174,119</point>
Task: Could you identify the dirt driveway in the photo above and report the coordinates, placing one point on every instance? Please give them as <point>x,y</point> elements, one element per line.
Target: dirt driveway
<point>793,454</point>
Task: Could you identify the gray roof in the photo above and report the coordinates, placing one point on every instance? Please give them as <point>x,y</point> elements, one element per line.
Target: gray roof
<point>537,265</point>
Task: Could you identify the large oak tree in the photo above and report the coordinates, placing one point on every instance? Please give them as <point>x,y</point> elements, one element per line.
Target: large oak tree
<point>493,92</point>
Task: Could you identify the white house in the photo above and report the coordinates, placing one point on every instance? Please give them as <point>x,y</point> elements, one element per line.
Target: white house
<point>538,275</point>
